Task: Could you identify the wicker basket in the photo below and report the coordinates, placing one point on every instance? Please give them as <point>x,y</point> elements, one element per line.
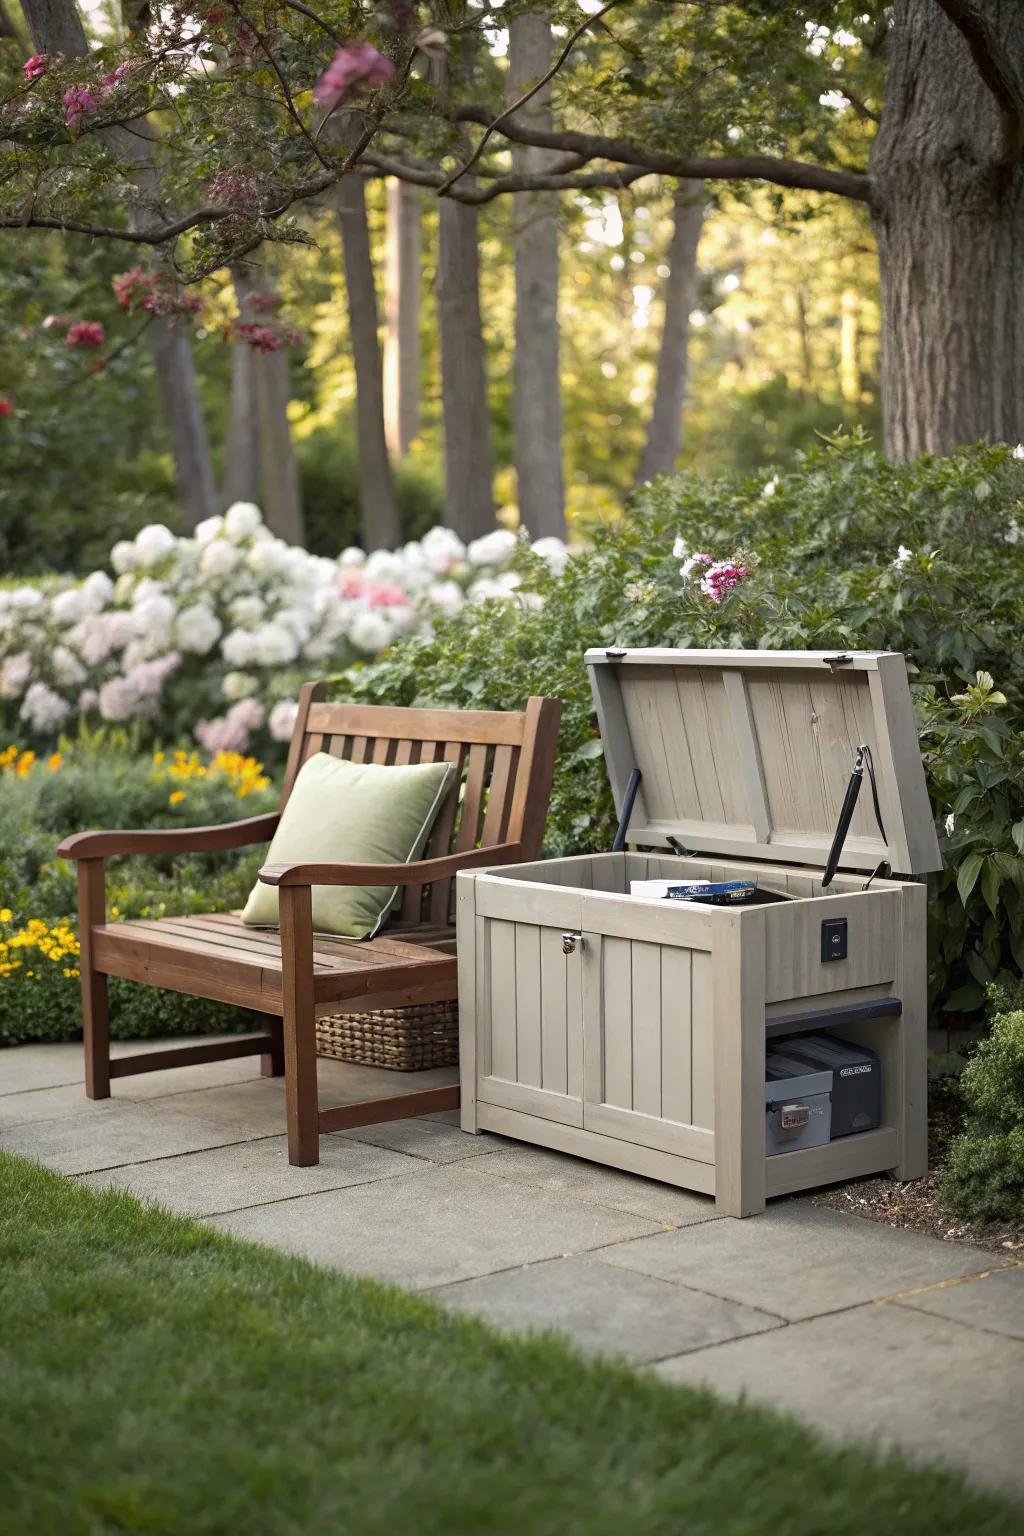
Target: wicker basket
<point>407,1039</point>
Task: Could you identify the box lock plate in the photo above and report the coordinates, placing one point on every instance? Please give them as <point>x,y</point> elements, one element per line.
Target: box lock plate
<point>834,939</point>
<point>793,1117</point>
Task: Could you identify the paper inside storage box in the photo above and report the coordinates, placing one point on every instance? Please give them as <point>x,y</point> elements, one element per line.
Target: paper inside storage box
<point>657,889</point>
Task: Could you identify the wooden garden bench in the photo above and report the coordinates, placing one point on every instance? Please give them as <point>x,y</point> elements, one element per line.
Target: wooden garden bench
<point>494,813</point>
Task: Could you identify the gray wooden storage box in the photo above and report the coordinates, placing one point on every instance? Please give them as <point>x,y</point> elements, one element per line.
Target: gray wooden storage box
<point>632,1031</point>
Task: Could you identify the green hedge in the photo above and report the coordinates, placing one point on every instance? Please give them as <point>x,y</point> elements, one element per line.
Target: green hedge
<point>984,1178</point>
<point>823,546</point>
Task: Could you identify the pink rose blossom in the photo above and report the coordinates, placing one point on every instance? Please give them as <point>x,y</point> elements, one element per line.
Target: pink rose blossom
<point>35,67</point>
<point>84,333</point>
<point>79,102</point>
<point>355,65</point>
<point>6,404</point>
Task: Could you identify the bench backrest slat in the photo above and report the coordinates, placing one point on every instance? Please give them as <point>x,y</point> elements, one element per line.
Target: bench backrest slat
<point>504,767</point>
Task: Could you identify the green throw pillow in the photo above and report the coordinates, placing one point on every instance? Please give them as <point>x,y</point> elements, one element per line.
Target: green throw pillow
<point>351,813</point>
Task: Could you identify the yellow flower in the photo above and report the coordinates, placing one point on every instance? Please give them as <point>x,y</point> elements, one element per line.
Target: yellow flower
<point>158,758</point>
<point>24,764</point>
<point>5,914</point>
<point>55,762</point>
<point>175,797</point>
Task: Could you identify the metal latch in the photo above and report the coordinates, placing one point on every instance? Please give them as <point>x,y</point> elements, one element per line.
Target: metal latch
<point>793,1117</point>
<point>569,942</point>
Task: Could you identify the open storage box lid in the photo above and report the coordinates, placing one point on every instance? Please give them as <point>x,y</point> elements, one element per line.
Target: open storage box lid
<point>749,753</point>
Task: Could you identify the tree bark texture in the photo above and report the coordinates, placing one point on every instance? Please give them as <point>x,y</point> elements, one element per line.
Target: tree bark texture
<point>378,504</point>
<point>537,395</point>
<point>278,471</point>
<point>241,457</point>
<point>402,360</point>
<point>949,221</point>
<point>468,463</point>
<point>679,294</point>
<point>55,26</point>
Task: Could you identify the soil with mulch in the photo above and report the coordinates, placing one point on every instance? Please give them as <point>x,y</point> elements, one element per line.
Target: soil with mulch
<point>913,1205</point>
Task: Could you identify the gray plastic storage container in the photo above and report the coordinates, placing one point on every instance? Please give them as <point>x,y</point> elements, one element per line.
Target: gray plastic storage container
<point>798,1104</point>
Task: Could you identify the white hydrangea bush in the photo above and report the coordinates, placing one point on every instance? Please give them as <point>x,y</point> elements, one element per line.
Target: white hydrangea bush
<point>210,635</point>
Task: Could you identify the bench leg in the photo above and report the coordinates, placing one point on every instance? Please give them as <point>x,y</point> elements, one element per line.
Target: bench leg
<point>272,1061</point>
<point>95,1018</point>
<point>299,1025</point>
<point>96,1034</point>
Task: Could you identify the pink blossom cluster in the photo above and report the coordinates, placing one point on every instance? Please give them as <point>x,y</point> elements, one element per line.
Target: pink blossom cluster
<point>137,289</point>
<point>266,338</point>
<point>79,103</point>
<point>35,67</point>
<point>6,403</point>
<point>84,333</point>
<point>353,584</point>
<point>231,732</point>
<point>722,577</point>
<point>354,66</point>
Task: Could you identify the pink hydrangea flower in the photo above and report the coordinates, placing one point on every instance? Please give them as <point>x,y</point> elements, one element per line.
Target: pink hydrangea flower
<point>35,67</point>
<point>79,102</point>
<point>351,582</point>
<point>388,596</point>
<point>721,577</point>
<point>355,65</point>
<point>84,333</point>
<point>6,404</point>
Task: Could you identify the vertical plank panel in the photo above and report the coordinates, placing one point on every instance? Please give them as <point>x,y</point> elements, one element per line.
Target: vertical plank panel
<point>645,962</point>
<point>617,1023</point>
<point>739,1015</point>
<point>911,1085</point>
<point>702,1056</point>
<point>502,945</point>
<point>557,1019</point>
<point>358,749</point>
<point>529,1005</point>
<point>676,1033</point>
<point>469,1002</point>
<point>499,794</point>
<point>590,971</point>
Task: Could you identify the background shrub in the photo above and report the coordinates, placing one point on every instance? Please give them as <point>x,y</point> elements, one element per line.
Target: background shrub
<point>984,1177</point>
<point>845,551</point>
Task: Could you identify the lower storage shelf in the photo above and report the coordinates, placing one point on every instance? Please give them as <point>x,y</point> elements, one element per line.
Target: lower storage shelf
<point>848,1158</point>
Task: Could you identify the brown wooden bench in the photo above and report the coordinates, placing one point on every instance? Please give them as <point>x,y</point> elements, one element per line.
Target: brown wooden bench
<point>494,813</point>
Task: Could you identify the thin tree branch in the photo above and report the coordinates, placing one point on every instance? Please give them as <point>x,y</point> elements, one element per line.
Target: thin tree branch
<point>304,10</point>
<point>289,103</point>
<point>588,21</point>
<point>784,173</point>
<point>534,181</point>
<point>996,69</point>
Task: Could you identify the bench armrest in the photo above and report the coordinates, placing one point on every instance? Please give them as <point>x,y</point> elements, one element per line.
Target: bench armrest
<point>422,872</point>
<point>232,834</point>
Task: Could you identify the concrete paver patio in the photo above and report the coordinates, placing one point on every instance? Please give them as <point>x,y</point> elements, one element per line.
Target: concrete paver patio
<point>871,1334</point>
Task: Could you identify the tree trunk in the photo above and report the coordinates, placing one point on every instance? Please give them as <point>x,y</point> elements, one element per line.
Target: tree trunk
<point>537,408</point>
<point>55,26</point>
<point>949,221</point>
<point>279,478</point>
<point>378,505</point>
<point>402,317</point>
<point>679,294</point>
<point>241,458</point>
<point>468,464</point>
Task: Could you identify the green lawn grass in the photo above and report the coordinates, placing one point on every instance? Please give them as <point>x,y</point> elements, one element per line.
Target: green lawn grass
<point>157,1376</point>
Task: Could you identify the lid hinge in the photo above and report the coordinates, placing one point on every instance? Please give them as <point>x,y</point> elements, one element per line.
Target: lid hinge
<point>842,659</point>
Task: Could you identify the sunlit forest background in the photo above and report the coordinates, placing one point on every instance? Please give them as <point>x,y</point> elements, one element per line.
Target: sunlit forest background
<point>784,344</point>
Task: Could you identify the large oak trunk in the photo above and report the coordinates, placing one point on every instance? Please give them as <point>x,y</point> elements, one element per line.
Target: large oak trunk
<point>949,221</point>
<point>468,465</point>
<point>269,391</point>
